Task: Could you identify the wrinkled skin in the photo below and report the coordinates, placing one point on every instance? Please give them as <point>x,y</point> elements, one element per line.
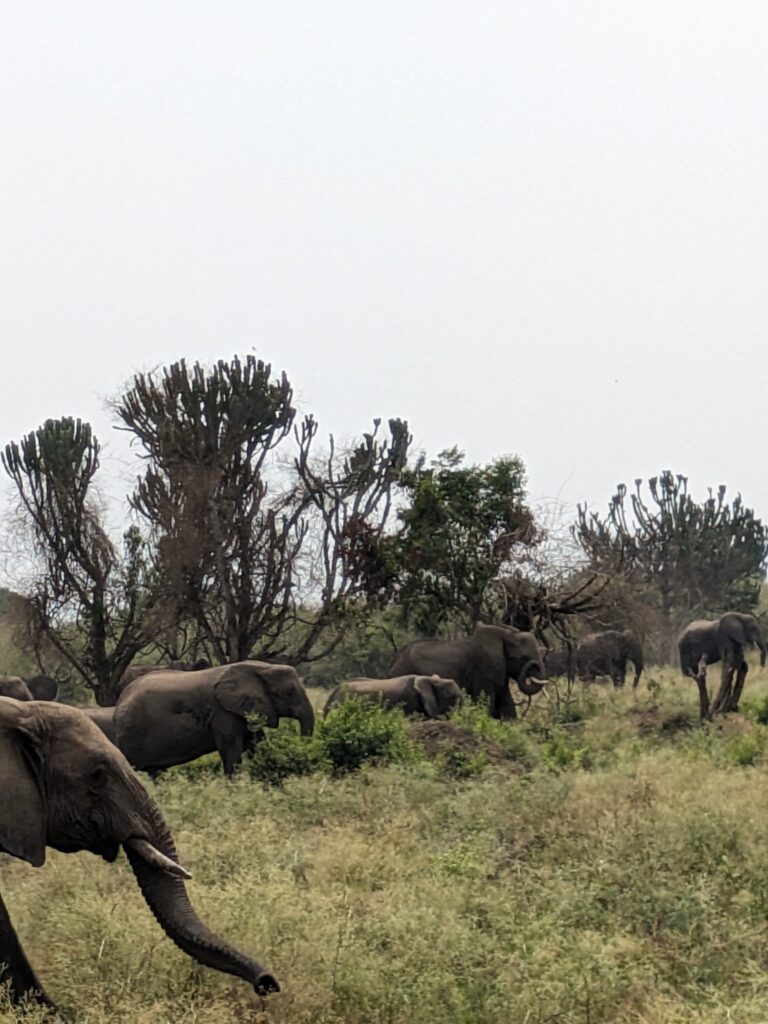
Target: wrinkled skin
<point>416,695</point>
<point>607,654</point>
<point>705,642</point>
<point>15,686</point>
<point>168,718</point>
<point>134,672</point>
<point>63,785</point>
<point>482,664</point>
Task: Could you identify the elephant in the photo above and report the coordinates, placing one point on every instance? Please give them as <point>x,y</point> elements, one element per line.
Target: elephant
<point>556,661</point>
<point>422,695</point>
<point>482,664</point>
<point>705,642</point>
<point>14,686</point>
<point>134,672</point>
<point>104,718</point>
<point>42,687</point>
<point>171,717</point>
<point>63,785</point>
<point>607,654</point>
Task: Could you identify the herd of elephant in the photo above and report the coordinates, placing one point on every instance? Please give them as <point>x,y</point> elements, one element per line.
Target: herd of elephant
<point>68,781</point>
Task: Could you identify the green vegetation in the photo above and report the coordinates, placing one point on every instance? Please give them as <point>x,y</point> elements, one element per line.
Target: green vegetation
<point>604,861</point>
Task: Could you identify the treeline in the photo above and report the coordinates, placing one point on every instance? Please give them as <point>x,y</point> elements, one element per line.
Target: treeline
<point>247,538</point>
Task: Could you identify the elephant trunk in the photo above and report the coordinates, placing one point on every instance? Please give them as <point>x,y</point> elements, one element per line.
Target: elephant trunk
<point>527,682</point>
<point>167,898</point>
<point>306,717</point>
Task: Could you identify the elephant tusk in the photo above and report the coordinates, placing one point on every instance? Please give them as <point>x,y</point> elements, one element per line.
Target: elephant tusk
<point>156,859</point>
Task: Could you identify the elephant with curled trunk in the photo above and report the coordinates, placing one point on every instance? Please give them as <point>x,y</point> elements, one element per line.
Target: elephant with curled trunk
<point>705,642</point>
<point>63,785</point>
<point>168,718</point>
<point>416,695</point>
<point>607,654</point>
<point>482,664</point>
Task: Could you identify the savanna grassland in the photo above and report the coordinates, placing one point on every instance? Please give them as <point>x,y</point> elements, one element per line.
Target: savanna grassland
<point>606,860</point>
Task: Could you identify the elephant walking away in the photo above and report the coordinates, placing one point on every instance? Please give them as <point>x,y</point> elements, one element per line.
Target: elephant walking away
<point>416,695</point>
<point>607,654</point>
<point>482,664</point>
<point>168,718</point>
<point>705,642</point>
<point>63,785</point>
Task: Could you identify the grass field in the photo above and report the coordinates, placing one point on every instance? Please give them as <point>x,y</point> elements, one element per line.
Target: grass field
<point>605,862</point>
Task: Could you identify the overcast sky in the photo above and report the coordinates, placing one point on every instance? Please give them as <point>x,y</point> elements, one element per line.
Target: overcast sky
<point>525,227</point>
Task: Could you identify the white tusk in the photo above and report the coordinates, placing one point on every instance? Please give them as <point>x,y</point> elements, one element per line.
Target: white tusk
<point>156,859</point>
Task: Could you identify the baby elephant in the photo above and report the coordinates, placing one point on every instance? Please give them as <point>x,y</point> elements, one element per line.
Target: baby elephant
<point>416,695</point>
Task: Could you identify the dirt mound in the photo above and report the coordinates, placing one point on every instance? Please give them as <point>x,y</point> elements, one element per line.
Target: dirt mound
<point>653,720</point>
<point>435,737</point>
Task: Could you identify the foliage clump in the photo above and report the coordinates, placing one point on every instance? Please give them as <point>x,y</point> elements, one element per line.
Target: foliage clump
<point>358,732</point>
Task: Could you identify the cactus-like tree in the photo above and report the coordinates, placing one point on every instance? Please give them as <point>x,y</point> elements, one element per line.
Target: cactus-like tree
<point>87,597</point>
<point>689,558</point>
<point>257,540</point>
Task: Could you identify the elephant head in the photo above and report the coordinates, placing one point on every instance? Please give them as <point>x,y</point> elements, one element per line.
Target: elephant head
<point>64,785</point>
<point>743,629</point>
<point>42,687</point>
<point>437,695</point>
<point>522,656</point>
<point>271,691</point>
<point>16,687</point>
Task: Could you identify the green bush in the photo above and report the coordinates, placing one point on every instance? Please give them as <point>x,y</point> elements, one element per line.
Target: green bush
<point>359,731</point>
<point>460,764</point>
<point>283,753</point>
<point>757,709</point>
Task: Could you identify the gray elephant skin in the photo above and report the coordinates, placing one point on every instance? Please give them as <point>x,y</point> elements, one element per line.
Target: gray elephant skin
<point>63,785</point>
<point>416,695</point>
<point>482,664</point>
<point>134,672</point>
<point>169,718</point>
<point>556,662</point>
<point>707,641</point>
<point>15,687</point>
<point>607,654</point>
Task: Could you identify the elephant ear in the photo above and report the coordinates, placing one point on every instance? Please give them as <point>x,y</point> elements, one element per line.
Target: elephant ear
<point>734,628</point>
<point>22,817</point>
<point>242,690</point>
<point>423,686</point>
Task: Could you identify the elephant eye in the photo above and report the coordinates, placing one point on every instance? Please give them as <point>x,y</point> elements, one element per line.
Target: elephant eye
<point>98,778</point>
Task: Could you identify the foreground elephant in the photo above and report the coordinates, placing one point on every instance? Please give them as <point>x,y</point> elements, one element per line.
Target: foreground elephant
<point>482,664</point>
<point>607,654</point>
<point>63,785</point>
<point>15,686</point>
<point>416,695</point>
<point>168,718</point>
<point>705,642</point>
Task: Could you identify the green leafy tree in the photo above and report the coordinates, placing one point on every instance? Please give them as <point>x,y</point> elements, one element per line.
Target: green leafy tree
<point>461,529</point>
<point>688,558</point>
<point>87,598</point>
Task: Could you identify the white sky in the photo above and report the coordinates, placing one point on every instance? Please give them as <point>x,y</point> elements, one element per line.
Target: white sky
<point>530,227</point>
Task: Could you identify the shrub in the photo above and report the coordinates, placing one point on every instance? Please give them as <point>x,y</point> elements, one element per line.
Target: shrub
<point>283,753</point>
<point>359,731</point>
<point>757,709</point>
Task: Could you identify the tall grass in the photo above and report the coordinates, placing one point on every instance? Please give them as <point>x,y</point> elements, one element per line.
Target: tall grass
<point>621,876</point>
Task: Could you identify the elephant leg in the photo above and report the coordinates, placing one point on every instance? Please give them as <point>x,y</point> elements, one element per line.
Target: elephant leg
<point>230,734</point>
<point>503,706</point>
<point>252,740</point>
<point>701,682</point>
<point>722,703</point>
<point>741,676</point>
<point>15,970</point>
